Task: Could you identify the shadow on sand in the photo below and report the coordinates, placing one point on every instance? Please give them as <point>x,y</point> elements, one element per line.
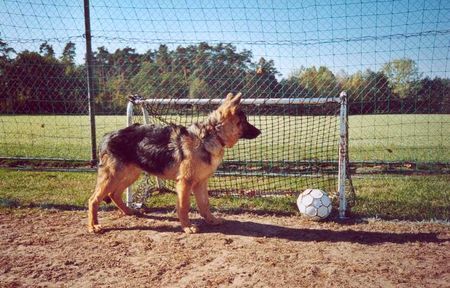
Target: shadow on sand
<point>254,229</point>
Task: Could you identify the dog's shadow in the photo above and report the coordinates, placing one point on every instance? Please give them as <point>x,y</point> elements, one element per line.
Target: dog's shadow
<point>262,230</point>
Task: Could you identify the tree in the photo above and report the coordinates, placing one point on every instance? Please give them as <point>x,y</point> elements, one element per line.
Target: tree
<point>318,82</point>
<point>181,62</point>
<point>201,56</point>
<point>354,85</point>
<point>377,93</point>
<point>153,84</point>
<point>68,54</point>
<point>262,83</point>
<point>163,59</point>
<point>40,83</point>
<point>403,76</point>
<point>290,88</point>
<point>266,67</point>
<point>5,62</point>
<point>123,61</point>
<point>46,50</point>
<point>102,56</point>
<point>221,67</point>
<point>118,88</point>
<point>199,88</point>
<point>146,81</point>
<point>433,96</point>
<point>35,84</point>
<point>368,92</point>
<point>5,52</point>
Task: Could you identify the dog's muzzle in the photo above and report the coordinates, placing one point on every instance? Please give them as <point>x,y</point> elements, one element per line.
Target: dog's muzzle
<point>250,132</point>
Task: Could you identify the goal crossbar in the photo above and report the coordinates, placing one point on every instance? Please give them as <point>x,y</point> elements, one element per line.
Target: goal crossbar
<point>247,101</point>
<point>343,127</point>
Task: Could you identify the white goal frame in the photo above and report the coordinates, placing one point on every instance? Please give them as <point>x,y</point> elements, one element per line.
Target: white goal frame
<point>343,128</point>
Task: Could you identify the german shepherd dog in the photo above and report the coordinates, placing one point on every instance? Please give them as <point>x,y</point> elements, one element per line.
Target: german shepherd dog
<point>188,155</point>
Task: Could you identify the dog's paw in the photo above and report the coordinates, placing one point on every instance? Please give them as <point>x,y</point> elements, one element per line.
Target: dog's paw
<point>95,229</point>
<point>214,221</point>
<point>192,229</point>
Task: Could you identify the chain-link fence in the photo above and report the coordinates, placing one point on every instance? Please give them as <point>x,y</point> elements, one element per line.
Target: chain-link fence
<point>392,58</point>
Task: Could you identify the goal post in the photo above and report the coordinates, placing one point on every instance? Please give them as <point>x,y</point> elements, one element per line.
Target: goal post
<point>343,153</point>
<point>339,139</point>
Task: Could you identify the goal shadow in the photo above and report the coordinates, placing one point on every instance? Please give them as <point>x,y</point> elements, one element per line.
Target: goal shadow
<point>253,229</point>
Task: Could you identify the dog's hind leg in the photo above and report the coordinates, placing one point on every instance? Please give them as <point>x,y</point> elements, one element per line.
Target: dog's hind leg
<point>103,187</point>
<point>110,173</point>
<point>201,197</point>
<point>127,176</point>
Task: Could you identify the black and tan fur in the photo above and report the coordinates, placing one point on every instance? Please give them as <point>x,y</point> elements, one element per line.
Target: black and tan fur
<point>188,155</point>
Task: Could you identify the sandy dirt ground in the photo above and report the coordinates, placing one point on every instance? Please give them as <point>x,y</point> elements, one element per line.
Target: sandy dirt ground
<point>52,248</point>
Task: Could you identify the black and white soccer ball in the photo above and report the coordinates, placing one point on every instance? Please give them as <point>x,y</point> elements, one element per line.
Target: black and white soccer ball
<point>314,204</point>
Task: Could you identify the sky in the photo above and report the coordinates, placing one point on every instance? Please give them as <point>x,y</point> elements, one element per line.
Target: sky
<point>342,35</point>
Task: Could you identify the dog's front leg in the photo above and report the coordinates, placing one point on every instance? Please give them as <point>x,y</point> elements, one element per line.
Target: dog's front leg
<point>201,196</point>
<point>184,188</point>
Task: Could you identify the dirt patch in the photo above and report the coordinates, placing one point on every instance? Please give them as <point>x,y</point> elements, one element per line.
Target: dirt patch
<point>52,248</point>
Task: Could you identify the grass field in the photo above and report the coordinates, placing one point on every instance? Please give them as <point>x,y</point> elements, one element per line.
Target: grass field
<point>421,138</point>
<point>387,197</point>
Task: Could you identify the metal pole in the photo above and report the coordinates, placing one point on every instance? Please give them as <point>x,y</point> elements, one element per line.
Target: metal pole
<point>247,101</point>
<point>342,155</point>
<point>90,81</point>
<point>129,195</point>
<point>159,182</point>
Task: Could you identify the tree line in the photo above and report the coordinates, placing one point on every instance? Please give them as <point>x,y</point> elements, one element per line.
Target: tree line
<point>42,82</point>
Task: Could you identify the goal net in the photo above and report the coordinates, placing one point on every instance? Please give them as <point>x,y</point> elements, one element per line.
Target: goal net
<point>298,149</point>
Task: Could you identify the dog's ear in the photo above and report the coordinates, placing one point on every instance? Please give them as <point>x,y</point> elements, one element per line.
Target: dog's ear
<point>236,100</point>
<point>230,105</point>
<point>229,97</point>
<point>233,99</point>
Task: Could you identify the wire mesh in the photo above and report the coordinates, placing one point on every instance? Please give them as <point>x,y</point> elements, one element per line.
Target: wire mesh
<point>392,57</point>
<point>292,153</point>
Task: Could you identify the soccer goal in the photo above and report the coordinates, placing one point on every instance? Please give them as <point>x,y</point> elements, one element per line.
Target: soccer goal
<point>303,145</point>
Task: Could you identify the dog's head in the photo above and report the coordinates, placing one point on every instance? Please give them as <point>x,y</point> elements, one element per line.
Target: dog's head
<point>232,122</point>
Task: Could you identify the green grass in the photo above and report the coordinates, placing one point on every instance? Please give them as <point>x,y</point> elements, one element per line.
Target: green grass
<point>26,188</point>
<point>400,197</point>
<point>386,197</point>
<point>422,138</point>
<point>65,137</point>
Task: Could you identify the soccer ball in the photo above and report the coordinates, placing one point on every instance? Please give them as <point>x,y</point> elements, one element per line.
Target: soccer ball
<point>314,204</point>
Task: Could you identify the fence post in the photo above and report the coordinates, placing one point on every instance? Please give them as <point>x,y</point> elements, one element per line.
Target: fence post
<point>90,81</point>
